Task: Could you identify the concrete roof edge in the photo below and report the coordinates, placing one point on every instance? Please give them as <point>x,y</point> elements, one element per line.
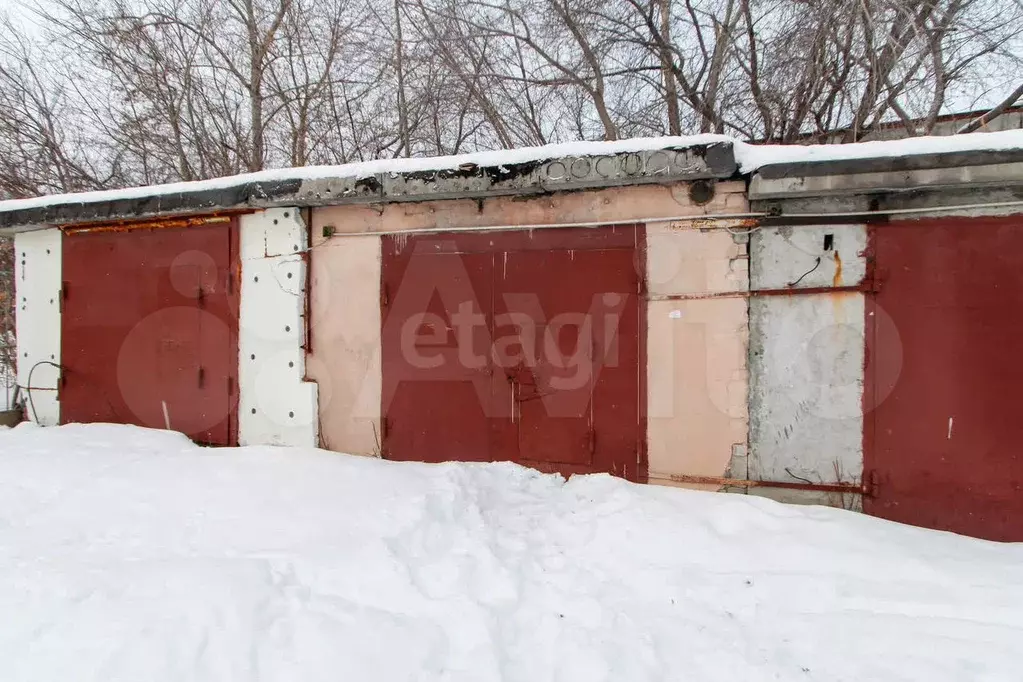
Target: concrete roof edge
<point>715,160</point>
<point>887,164</point>
<point>793,188</point>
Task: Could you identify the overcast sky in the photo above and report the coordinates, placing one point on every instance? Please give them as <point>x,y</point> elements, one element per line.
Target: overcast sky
<point>987,92</point>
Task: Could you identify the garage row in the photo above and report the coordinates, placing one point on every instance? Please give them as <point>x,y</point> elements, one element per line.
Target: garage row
<point>850,346</point>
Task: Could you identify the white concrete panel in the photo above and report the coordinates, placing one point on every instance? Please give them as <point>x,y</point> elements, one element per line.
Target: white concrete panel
<point>276,406</point>
<point>37,273</point>
<point>797,257</point>
<point>806,387</point>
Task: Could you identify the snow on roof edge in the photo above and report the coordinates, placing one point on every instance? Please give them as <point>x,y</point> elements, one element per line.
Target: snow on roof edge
<point>750,157</point>
<point>363,169</point>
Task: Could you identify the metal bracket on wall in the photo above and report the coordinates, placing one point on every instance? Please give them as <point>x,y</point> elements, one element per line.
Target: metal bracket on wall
<point>856,489</point>
<point>755,293</point>
<point>871,483</point>
<point>875,282</point>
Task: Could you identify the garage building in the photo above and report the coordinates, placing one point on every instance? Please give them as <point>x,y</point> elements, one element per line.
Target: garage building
<point>826,328</point>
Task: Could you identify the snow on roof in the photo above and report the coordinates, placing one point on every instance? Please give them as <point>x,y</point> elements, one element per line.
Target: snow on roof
<point>752,157</point>
<point>364,169</point>
<point>748,157</point>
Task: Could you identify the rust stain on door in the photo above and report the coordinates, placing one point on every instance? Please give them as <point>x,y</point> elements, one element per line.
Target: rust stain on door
<point>150,329</point>
<point>522,346</point>
<point>944,335</point>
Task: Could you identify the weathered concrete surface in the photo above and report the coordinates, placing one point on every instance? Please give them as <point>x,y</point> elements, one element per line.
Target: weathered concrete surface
<point>618,204</point>
<point>845,175</point>
<point>797,258</point>
<point>806,360</point>
<point>360,184</point>
<point>806,390</point>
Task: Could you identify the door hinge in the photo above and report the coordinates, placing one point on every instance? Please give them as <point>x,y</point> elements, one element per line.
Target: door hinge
<point>593,441</point>
<point>871,483</point>
<point>202,377</point>
<point>200,297</point>
<point>875,279</point>
<point>62,297</point>
<point>230,386</point>
<point>385,296</point>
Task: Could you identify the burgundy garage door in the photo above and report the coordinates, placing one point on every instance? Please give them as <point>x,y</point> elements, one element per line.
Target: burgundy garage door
<point>515,346</point>
<point>150,329</point>
<point>945,335</point>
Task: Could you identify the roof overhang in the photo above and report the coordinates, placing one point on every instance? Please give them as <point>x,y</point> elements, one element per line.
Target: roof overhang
<point>348,185</point>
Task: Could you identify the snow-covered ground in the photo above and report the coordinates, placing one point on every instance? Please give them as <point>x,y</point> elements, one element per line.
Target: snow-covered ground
<point>128,554</point>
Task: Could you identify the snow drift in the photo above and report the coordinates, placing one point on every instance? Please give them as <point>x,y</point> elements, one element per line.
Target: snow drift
<point>128,554</point>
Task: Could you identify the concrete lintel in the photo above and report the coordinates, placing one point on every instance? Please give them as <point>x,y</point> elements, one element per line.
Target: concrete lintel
<point>764,186</point>
<point>890,164</point>
<point>921,201</point>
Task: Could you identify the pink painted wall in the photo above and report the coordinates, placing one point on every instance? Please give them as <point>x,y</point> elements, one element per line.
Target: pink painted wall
<point>696,350</point>
<point>696,360</point>
<point>345,340</point>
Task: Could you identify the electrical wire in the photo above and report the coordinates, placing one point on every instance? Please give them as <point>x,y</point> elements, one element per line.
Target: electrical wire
<point>778,219</point>
<point>800,278</point>
<point>29,387</point>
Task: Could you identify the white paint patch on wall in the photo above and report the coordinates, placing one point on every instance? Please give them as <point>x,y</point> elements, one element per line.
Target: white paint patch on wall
<point>37,274</point>
<point>276,406</point>
<point>806,360</point>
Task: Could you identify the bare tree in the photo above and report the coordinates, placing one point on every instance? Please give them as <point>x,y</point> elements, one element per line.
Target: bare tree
<point>145,91</point>
<point>996,111</point>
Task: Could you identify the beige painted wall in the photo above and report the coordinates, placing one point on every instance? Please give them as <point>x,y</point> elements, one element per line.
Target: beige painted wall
<point>625,204</point>
<point>345,338</point>
<point>696,360</point>
<point>696,350</point>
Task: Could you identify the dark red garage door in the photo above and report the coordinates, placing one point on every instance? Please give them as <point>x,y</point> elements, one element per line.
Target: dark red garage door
<point>515,346</point>
<point>149,329</point>
<point>945,336</point>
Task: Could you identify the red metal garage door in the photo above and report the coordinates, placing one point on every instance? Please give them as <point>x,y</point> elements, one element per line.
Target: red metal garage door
<point>945,443</point>
<point>515,346</point>
<point>150,329</point>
